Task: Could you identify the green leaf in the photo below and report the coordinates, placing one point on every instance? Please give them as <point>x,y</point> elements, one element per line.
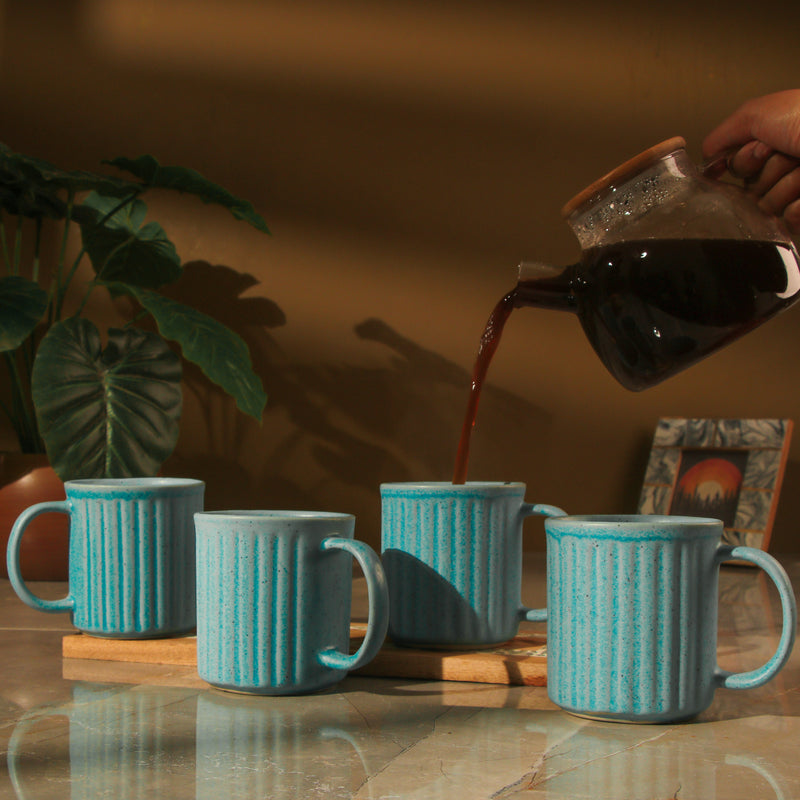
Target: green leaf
<point>31,187</point>
<point>111,413</point>
<point>22,306</point>
<point>123,248</point>
<point>222,354</point>
<point>182,179</point>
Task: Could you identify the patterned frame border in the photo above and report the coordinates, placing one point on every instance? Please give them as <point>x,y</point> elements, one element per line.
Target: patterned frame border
<point>766,442</point>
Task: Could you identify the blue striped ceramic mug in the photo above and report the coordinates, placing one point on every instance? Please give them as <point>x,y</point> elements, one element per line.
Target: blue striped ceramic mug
<point>131,555</point>
<point>453,560</point>
<point>632,616</point>
<point>273,600</point>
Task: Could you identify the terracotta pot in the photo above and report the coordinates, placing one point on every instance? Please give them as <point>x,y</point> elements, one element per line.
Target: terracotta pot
<point>24,480</point>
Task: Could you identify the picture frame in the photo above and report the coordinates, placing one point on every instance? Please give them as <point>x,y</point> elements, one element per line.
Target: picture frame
<point>729,469</point>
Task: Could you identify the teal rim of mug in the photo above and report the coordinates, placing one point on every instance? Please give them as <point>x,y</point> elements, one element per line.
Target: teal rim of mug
<point>254,515</point>
<point>445,488</point>
<point>632,526</point>
<point>130,487</point>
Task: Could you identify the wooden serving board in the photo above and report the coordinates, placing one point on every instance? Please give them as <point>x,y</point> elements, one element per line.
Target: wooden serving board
<point>522,661</point>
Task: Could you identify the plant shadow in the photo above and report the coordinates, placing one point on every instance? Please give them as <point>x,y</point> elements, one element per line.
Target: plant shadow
<point>332,431</point>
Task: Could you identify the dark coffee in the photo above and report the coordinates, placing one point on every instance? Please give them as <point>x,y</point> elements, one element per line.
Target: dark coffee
<point>651,308</point>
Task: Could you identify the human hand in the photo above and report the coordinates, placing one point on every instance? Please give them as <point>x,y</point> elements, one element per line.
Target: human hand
<point>760,143</point>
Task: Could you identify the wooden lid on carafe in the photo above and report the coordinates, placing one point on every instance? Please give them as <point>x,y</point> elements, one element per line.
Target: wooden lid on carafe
<point>624,171</point>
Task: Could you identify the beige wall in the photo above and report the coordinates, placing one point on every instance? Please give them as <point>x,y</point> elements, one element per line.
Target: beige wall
<point>407,155</point>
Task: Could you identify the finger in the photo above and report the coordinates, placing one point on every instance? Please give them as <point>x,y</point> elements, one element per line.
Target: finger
<point>791,215</point>
<point>775,169</point>
<point>735,132</point>
<point>748,161</point>
<point>783,194</point>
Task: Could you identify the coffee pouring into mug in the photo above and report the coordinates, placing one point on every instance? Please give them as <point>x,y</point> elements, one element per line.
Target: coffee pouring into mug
<point>674,266</point>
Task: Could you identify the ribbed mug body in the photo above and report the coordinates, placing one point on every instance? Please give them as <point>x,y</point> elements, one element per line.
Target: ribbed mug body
<point>131,559</point>
<point>453,562</point>
<point>632,616</point>
<point>270,599</point>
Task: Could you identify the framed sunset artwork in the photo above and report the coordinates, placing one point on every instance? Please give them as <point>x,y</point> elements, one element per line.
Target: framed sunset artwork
<point>729,469</point>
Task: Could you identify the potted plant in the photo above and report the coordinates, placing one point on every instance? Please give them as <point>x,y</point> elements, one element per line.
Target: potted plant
<point>103,406</point>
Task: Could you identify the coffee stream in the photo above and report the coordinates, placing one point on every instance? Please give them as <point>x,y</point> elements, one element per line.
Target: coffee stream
<point>489,342</point>
<point>651,308</point>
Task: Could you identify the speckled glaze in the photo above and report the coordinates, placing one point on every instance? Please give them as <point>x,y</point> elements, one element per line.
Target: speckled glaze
<point>273,600</point>
<point>453,561</point>
<point>632,616</point>
<point>131,556</point>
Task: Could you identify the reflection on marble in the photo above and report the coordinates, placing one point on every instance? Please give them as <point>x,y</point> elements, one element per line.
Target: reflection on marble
<point>85,729</point>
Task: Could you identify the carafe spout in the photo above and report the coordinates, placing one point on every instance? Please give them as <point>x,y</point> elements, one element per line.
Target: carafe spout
<point>545,286</point>
<point>537,270</point>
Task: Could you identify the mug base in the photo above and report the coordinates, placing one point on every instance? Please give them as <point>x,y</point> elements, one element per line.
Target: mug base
<point>272,691</point>
<point>168,634</point>
<point>630,719</point>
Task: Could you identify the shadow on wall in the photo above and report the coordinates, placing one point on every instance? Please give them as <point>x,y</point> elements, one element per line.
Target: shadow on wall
<point>333,432</point>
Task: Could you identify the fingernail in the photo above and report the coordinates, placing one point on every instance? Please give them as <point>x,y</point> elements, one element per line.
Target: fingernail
<point>762,151</point>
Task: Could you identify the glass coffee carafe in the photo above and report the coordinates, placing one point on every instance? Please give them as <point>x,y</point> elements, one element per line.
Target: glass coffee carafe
<point>674,266</point>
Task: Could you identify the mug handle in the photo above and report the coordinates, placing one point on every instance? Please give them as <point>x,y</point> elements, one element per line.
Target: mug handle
<point>529,510</point>
<point>378,593</point>
<point>757,677</point>
<point>12,559</point>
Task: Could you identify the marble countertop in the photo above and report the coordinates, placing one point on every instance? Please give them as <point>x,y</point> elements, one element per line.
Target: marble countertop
<point>89,729</point>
